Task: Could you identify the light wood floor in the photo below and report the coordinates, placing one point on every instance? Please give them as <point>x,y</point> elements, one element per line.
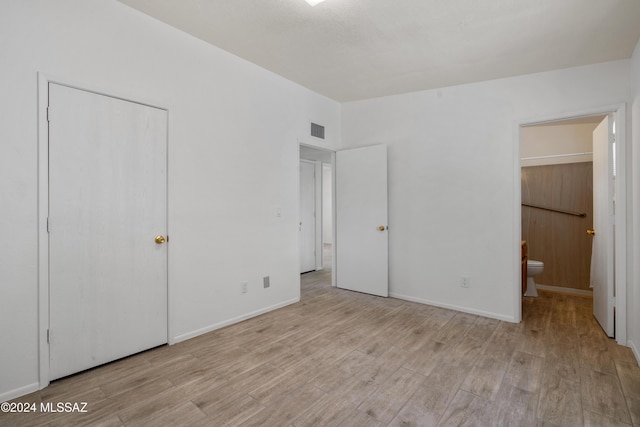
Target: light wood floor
<point>347,359</point>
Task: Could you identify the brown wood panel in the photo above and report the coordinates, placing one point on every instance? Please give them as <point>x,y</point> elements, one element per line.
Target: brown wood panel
<point>557,239</point>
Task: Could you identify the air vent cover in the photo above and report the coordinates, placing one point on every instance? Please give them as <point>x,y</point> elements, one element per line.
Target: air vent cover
<point>317,130</point>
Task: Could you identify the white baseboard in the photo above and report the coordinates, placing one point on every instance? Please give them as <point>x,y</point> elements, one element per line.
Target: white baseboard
<point>215,326</point>
<point>12,394</point>
<point>454,307</point>
<point>564,290</point>
<point>635,350</point>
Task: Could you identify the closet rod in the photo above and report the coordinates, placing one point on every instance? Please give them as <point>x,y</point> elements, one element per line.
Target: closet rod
<point>581,215</point>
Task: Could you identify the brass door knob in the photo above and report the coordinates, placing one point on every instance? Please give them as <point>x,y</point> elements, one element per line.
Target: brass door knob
<point>382,228</point>
<point>591,232</point>
<point>160,239</point>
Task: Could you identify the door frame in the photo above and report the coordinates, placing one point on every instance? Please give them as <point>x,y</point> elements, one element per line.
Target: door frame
<point>620,215</point>
<point>319,218</point>
<point>43,209</point>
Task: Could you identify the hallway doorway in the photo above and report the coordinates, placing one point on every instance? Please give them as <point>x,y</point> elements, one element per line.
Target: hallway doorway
<point>320,163</point>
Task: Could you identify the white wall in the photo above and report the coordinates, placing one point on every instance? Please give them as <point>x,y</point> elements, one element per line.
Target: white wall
<point>454,177</point>
<point>233,162</point>
<point>633,291</point>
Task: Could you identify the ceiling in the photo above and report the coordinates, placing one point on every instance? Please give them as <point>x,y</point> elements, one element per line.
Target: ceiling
<point>585,120</point>
<point>356,49</point>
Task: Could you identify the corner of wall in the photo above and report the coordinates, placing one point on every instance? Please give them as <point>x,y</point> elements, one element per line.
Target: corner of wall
<point>633,287</point>
<point>634,348</point>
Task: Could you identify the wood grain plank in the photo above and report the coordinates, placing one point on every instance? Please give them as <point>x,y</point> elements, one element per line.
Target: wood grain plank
<point>335,375</point>
<point>467,409</point>
<point>629,374</point>
<point>236,412</point>
<point>602,394</point>
<point>300,366</point>
<point>338,405</point>
<point>426,358</point>
<point>180,414</point>
<point>524,372</point>
<point>515,406</point>
<point>591,419</point>
<point>288,409</point>
<point>594,350</point>
<point>384,403</point>
<point>560,399</point>
<point>456,328</point>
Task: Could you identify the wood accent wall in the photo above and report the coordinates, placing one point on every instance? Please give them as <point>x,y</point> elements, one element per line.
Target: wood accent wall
<point>557,239</point>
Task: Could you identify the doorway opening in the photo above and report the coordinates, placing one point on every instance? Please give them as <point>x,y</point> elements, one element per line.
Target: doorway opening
<point>316,226</point>
<point>359,216</point>
<point>559,199</point>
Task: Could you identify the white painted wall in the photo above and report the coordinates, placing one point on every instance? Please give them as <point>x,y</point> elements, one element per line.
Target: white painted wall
<point>633,290</point>
<point>233,162</point>
<point>556,144</point>
<point>454,173</point>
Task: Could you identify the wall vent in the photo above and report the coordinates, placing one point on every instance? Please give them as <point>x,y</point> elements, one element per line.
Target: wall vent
<point>317,130</point>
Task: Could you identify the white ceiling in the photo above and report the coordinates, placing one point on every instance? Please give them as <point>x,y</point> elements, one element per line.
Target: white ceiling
<point>358,49</point>
<point>586,120</point>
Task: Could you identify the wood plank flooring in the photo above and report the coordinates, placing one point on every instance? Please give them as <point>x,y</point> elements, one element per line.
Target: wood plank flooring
<point>340,358</point>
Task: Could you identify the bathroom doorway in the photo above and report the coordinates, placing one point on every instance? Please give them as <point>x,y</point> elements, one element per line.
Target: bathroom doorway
<point>556,169</point>
<point>557,201</point>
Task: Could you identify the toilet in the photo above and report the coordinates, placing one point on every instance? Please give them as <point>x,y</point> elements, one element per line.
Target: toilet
<point>533,269</point>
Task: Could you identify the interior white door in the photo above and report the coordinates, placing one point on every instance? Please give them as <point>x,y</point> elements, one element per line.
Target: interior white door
<point>307,216</point>
<point>107,204</point>
<point>361,220</point>
<point>602,257</point>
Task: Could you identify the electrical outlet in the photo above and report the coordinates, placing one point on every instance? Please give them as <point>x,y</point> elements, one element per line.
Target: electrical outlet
<point>266,282</point>
<point>465,282</point>
<point>244,287</point>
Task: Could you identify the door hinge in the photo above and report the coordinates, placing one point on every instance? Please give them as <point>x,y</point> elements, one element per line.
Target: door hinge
<point>47,224</point>
<point>612,301</point>
<point>48,114</point>
<point>48,336</point>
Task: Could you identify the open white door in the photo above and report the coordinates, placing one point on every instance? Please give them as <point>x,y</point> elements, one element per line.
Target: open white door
<point>307,216</point>
<point>361,220</point>
<point>602,257</point>
<point>107,221</point>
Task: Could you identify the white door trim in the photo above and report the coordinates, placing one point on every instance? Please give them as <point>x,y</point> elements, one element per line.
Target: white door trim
<point>319,247</point>
<point>317,217</point>
<point>43,209</point>
<point>620,216</point>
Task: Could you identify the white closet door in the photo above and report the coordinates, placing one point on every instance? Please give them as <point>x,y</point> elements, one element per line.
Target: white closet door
<point>107,204</point>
